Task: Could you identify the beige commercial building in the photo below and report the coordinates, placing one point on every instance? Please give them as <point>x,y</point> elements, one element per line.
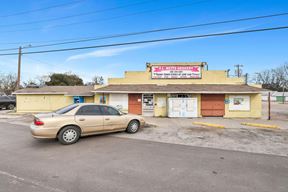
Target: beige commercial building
<point>163,89</point>
<point>50,98</point>
<point>181,90</point>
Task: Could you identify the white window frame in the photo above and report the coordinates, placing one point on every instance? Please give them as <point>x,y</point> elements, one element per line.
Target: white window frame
<point>246,106</point>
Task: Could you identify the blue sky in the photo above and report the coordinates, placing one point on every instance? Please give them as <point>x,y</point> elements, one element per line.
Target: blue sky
<point>256,51</point>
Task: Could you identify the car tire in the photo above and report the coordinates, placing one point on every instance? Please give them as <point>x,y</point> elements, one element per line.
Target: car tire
<point>133,126</point>
<point>69,135</point>
<point>10,107</point>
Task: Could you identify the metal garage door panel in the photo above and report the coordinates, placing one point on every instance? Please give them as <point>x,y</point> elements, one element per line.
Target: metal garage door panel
<point>120,101</point>
<point>174,107</point>
<point>212,105</point>
<point>182,107</point>
<point>191,107</point>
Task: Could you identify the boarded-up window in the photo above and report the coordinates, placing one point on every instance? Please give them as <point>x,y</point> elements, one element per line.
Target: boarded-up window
<point>239,103</point>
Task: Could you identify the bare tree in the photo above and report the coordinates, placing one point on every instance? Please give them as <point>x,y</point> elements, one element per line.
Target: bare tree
<point>274,79</point>
<point>30,84</point>
<point>96,80</point>
<point>285,71</point>
<point>8,83</point>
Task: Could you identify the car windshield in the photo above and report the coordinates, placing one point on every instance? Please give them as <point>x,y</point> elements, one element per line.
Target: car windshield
<point>122,112</point>
<point>66,109</point>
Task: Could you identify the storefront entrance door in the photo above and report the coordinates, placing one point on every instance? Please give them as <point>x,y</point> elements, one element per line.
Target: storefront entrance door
<point>148,105</point>
<point>135,104</point>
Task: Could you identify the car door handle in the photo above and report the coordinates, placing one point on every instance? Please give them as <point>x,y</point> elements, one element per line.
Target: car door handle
<point>107,119</point>
<point>81,119</point>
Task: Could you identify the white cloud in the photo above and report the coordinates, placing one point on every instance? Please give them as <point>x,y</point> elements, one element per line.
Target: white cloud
<point>117,51</point>
<point>103,53</point>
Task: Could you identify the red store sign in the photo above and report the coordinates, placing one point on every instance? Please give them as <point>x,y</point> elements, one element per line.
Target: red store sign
<point>176,72</point>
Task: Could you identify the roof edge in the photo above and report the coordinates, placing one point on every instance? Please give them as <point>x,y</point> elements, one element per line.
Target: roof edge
<point>176,63</point>
<point>40,93</point>
<point>199,92</point>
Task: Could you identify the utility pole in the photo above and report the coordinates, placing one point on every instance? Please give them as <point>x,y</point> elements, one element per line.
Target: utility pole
<point>238,70</point>
<point>19,68</point>
<point>269,106</point>
<point>283,95</point>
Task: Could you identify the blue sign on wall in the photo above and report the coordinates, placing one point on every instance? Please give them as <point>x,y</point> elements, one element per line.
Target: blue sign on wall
<point>78,99</point>
<point>226,101</point>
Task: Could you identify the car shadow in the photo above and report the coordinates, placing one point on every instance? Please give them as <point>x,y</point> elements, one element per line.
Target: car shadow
<point>40,143</point>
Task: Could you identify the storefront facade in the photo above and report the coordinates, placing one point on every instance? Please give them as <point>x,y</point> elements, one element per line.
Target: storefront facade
<point>181,90</point>
<point>50,98</point>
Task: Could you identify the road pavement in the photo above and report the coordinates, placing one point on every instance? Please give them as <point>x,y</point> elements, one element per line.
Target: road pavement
<point>108,163</point>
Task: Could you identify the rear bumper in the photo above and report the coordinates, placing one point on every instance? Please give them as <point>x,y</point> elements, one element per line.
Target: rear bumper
<point>42,132</point>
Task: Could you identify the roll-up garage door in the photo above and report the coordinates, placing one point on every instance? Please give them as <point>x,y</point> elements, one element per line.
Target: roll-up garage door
<point>120,101</point>
<point>182,107</point>
<point>212,105</point>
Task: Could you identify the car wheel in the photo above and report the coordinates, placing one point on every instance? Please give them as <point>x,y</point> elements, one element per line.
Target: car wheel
<point>10,107</point>
<point>133,126</point>
<point>69,135</point>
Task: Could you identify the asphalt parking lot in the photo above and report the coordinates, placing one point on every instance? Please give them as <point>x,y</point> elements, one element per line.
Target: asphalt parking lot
<point>108,163</point>
<point>183,131</point>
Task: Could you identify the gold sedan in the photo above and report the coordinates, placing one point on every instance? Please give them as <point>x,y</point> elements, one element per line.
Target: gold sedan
<point>71,122</point>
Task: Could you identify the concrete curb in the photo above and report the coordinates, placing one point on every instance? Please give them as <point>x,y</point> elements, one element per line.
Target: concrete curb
<point>261,125</point>
<point>209,125</point>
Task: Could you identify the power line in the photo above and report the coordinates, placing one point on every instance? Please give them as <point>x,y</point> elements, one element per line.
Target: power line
<point>151,41</point>
<point>8,49</point>
<point>110,18</point>
<point>41,9</point>
<point>161,30</point>
<point>75,15</point>
<point>155,31</point>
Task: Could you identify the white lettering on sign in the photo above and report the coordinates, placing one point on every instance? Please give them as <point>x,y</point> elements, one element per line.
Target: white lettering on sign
<point>176,72</point>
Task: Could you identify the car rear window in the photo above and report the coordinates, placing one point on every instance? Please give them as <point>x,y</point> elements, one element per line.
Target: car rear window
<point>66,109</point>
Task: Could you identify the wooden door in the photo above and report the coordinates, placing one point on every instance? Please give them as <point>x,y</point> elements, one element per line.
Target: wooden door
<point>135,104</point>
<point>212,105</point>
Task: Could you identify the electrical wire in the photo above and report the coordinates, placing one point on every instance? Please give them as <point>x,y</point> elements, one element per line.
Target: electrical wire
<point>75,15</point>
<point>106,19</point>
<point>155,31</point>
<point>41,9</point>
<point>160,30</point>
<point>152,41</point>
